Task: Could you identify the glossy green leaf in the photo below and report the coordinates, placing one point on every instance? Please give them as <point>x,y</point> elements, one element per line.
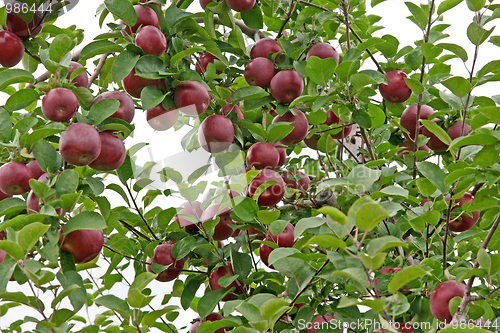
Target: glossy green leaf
<point>369,215</point>
<point>102,110</point>
<point>434,174</point>
<point>404,276</point>
<point>85,220</point>
<point>320,71</point>
<point>30,234</point>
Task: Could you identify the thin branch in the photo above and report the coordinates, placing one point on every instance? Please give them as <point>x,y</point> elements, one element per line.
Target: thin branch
<point>252,33</point>
<point>288,16</point>
<point>45,75</point>
<point>345,8</point>
<point>368,143</point>
<point>139,212</point>
<point>97,70</point>
<point>135,231</point>
<point>37,58</point>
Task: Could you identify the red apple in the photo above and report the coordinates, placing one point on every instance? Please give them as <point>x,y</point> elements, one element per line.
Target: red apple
<point>151,40</point>
<point>80,144</point>
<point>33,202</point>
<point>263,47</point>
<point>286,86</point>
<point>323,51</point>
<point>35,169</point>
<point>282,154</point>
<point>134,84</point>
<point>59,104</point>
<point>320,323</point>
<point>112,154</point>
<point>211,317</point>
<point>82,79</point>
<point>145,16</point>
<point>204,60</point>
<point>222,229</point>
<point>12,49</point>
<point>204,3</point>
<point>15,178</point>
<point>240,5</point>
<point>284,239</point>
<point>409,117</point>
<point>216,133</point>
<point>263,155</point>
<point>464,222</point>
<point>385,270</point>
<point>192,96</point>
<point>272,194</point>
<point>83,244</point>
<point>163,256</point>
<point>126,110</point>
<point>332,119</point>
<point>4,196</point>
<point>455,130</point>
<point>441,297</point>
<point>160,119</point>
<point>213,281</point>
<point>259,72</point>
<point>232,108</point>
<point>300,127</point>
<point>434,143</point>
<point>189,208</point>
<point>301,184</point>
<point>396,90</point>
<point>20,27</point>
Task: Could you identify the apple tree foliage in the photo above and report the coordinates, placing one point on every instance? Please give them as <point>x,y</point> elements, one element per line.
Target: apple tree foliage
<point>374,252</point>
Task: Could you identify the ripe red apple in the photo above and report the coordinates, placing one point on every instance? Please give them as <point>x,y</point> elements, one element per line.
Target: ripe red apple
<point>301,184</point>
<point>240,5</point>
<point>434,143</point>
<point>35,169</point>
<point>83,244</point>
<point>464,222</point>
<point>145,16</point>
<point>12,49</point>
<point>320,323</point>
<point>204,60</point>
<point>332,119</point>
<point>59,104</point>
<point>282,154</point>
<point>126,110</point>
<point>263,47</point>
<point>323,51</point>
<point>232,108</point>
<point>300,127</point>
<point>262,155</point>
<point>271,195</point>
<point>4,196</point>
<point>216,133</point>
<point>20,27</point>
<point>211,317</point>
<point>222,229</point>
<point>409,117</point>
<point>160,119</point>
<point>259,72</point>
<point>286,86</point>
<point>82,79</point>
<point>163,256</point>
<point>396,90</point>
<point>134,84</point>
<point>409,145</point>
<point>112,154</point>
<point>15,178</point>
<point>189,208</point>
<point>455,130</point>
<point>192,96</point>
<point>213,281</point>
<point>80,144</point>
<point>151,40</point>
<point>441,297</point>
<point>284,239</point>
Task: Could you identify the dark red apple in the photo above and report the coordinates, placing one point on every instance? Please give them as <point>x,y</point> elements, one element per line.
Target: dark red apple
<point>211,317</point>
<point>323,51</point>
<point>15,178</point>
<point>222,229</point>
<point>301,184</point>
<point>300,127</point>
<point>35,169</point>
<point>151,40</point>
<point>232,108</point>
<point>126,110</point>
<point>286,86</point>
<point>189,208</point>
<point>455,130</point>
<point>59,104</point>
<point>134,84</point>
<point>192,97</point>
<point>464,222</point>
<point>204,60</point>
<point>82,79</point>
<point>434,142</point>
<point>263,47</point>
<point>216,133</point>
<point>409,117</point>
<point>396,90</point>
<point>112,154</point>
<point>80,144</point>
<point>272,194</point>
<point>441,297</point>
<point>259,72</point>
<point>160,119</point>
<point>145,16</point>
<point>284,239</point>
<point>282,154</point>
<point>263,155</point>
<point>332,119</point>
<point>20,27</point>
<point>12,49</point>
<point>213,281</point>
<point>83,244</point>
<point>240,5</point>
<point>320,323</point>
<point>163,256</point>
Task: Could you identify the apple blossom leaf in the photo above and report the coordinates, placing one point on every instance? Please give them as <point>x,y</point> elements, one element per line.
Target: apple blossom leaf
<point>67,182</point>
<point>253,17</point>
<point>320,71</point>
<point>123,9</point>
<point>434,174</point>
<point>99,47</point>
<point>102,110</point>
<point>85,220</point>
<point>447,5</point>
<point>5,125</point>
<point>15,250</point>
<point>30,234</point>
<point>19,100</point>
<point>369,216</point>
<point>210,300</point>
<point>123,65</point>
<point>476,34</point>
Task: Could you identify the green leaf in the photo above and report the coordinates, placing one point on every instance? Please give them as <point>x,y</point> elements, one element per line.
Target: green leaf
<point>123,9</point>
<point>5,125</point>
<point>363,177</point>
<point>102,110</point>
<point>114,303</point>
<point>123,64</point>
<point>242,263</point>
<point>434,174</point>
<point>151,97</point>
<point>359,80</point>
<point>30,234</point>
<point>475,139</point>
<point>416,87</point>
<point>136,298</point>
<point>327,241</point>
<point>475,5</point>
<point>457,85</point>
<point>42,133</point>
<point>85,220</point>
<point>67,182</point>
<point>253,18</point>
<point>247,93</point>
<point>437,131</point>
<point>384,243</point>
<point>484,259</point>
<point>418,13</point>
<point>404,276</point>
<point>369,215</point>
<point>11,205</point>
<point>12,76</point>
<point>362,118</point>
<point>267,217</point>
<point>58,48</point>
<point>476,34</point>
<point>15,250</point>
<point>447,5</point>
<point>21,99</point>
<point>66,292</point>
<point>209,301</point>
<point>84,96</point>
<point>455,49</point>
<point>46,155</point>
<point>254,128</point>
<point>335,214</point>
<point>99,47</point>
<point>307,223</point>
<point>277,131</point>
<point>356,274</point>
<point>320,71</point>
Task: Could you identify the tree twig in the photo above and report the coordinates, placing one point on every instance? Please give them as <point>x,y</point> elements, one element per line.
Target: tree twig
<point>140,213</point>
<point>97,70</point>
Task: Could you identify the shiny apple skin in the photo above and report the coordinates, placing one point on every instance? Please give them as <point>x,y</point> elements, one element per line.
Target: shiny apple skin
<point>145,16</point>
<point>21,28</point>
<point>189,94</point>
<point>259,72</point>
<point>262,155</point>
<point>271,195</point>
<point>12,49</point>
<point>441,297</point>
<point>286,86</point>
<point>189,208</point>
<point>59,104</point>
<point>463,223</point>
<point>332,119</point>
<point>222,230</point>
<point>15,178</point>
<point>112,153</point>
<point>163,256</point>
<point>263,47</point>
<point>160,119</point>
<point>215,275</point>
<point>84,244</point>
<point>80,144</point>
<point>82,79</point>
<point>240,5</point>
<point>396,90</point>
<point>408,118</point>
<point>204,60</point>
<point>323,51</point>
<point>151,40</point>
<point>216,133</point>
<point>300,127</point>
<point>134,84</point>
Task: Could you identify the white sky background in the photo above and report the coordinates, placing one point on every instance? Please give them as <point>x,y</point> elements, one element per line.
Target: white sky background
<point>167,143</point>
